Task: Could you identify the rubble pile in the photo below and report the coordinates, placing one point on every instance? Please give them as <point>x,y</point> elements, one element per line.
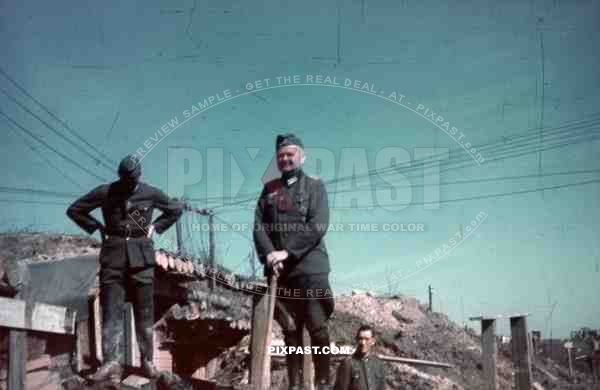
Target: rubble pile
<point>403,326</point>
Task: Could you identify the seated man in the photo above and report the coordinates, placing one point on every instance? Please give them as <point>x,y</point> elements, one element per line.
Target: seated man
<point>363,370</point>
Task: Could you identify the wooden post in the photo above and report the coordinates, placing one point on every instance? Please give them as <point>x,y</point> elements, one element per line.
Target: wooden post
<point>569,347</point>
<point>260,313</point>
<point>82,348</point>
<point>490,352</point>
<point>20,316</point>
<point>17,359</point>
<point>211,250</point>
<point>96,324</point>
<point>430,298</point>
<point>272,297</point>
<point>307,366</point>
<point>520,352</point>
<point>178,233</point>
<point>530,347</point>
<point>570,363</point>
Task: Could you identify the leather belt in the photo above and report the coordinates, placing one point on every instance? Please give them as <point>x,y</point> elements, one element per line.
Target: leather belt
<point>125,232</point>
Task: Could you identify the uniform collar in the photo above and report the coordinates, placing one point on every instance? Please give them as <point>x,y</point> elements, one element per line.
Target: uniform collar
<point>125,189</point>
<point>291,177</point>
<point>362,357</point>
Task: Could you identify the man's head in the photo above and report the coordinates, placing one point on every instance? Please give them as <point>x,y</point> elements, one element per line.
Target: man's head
<point>290,152</point>
<point>365,339</point>
<point>130,170</point>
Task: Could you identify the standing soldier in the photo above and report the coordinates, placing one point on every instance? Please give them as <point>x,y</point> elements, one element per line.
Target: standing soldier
<point>127,258</point>
<point>363,370</point>
<point>290,224</point>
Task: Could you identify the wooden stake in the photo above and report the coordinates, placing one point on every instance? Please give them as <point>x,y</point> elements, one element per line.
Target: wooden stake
<point>490,352</point>
<point>520,350</point>
<point>17,359</point>
<point>266,366</point>
<point>307,366</point>
<point>261,337</point>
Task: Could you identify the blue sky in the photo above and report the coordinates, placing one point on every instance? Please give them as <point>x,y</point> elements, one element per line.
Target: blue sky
<point>118,73</point>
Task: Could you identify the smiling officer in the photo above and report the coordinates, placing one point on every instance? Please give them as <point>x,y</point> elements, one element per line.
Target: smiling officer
<point>289,240</point>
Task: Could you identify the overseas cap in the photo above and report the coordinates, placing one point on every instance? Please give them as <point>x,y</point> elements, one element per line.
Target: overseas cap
<point>130,167</point>
<point>288,139</point>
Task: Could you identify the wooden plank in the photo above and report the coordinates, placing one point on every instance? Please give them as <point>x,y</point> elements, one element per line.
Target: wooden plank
<point>17,358</point>
<point>497,316</point>
<point>520,352</point>
<point>545,372</point>
<point>307,363</point>
<point>415,362</point>
<point>391,359</point>
<point>489,350</point>
<point>43,361</point>
<point>19,314</point>
<point>259,329</point>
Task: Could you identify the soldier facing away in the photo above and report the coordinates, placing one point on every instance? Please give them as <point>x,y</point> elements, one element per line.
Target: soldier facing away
<point>363,370</point>
<point>290,243</point>
<point>127,258</point>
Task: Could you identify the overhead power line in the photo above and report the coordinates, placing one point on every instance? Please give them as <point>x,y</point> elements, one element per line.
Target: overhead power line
<point>504,148</point>
<point>38,139</point>
<point>50,163</point>
<point>52,129</point>
<point>102,155</point>
<point>446,168</point>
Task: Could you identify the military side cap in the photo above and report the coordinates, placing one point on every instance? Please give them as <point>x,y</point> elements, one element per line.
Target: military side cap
<point>288,139</point>
<point>130,167</point>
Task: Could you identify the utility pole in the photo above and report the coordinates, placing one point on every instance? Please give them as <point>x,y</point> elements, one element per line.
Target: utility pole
<point>178,231</point>
<point>211,237</point>
<point>430,290</point>
<point>464,323</point>
<point>211,248</point>
<point>551,340</point>
<point>539,27</point>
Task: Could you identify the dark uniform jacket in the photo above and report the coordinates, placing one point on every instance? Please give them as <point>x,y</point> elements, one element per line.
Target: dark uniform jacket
<point>127,214</point>
<point>355,373</point>
<point>293,214</point>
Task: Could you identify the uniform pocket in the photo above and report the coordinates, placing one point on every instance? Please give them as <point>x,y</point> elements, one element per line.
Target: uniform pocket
<point>112,253</point>
<point>148,253</point>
